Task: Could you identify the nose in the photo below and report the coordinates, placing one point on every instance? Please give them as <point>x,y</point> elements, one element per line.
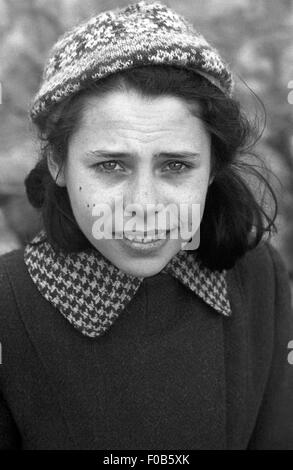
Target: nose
<point>144,193</point>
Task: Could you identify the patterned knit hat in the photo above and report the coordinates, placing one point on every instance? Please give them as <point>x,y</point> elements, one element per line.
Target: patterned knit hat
<point>144,33</point>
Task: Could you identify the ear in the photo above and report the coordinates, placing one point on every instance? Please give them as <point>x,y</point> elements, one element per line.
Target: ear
<point>57,171</point>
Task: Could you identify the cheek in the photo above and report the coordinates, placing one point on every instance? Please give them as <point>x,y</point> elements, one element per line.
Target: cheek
<point>85,197</point>
<point>191,200</point>
<point>82,187</point>
<point>193,191</point>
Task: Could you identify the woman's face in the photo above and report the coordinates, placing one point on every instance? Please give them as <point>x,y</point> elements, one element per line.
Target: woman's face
<point>141,151</point>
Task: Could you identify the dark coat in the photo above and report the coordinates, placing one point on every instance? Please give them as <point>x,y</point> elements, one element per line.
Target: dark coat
<point>171,373</point>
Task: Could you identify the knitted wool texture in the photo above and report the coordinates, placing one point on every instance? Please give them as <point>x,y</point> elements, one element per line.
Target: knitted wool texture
<point>91,292</point>
<point>136,35</point>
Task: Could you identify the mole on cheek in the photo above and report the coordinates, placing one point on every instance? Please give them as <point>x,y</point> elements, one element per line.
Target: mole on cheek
<point>80,188</point>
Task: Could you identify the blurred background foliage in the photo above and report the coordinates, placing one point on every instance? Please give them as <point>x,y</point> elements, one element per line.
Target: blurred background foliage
<point>255,37</point>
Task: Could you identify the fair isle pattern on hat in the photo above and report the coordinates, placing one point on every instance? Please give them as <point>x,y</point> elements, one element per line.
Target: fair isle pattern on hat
<point>143,33</point>
<point>91,292</point>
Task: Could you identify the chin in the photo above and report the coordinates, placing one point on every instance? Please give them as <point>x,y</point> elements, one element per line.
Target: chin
<point>143,270</point>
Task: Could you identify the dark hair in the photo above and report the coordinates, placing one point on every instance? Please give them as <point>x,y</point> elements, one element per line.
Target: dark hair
<point>234,221</point>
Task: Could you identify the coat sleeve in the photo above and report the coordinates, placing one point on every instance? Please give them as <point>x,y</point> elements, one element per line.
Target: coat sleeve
<point>274,425</point>
<point>9,434</point>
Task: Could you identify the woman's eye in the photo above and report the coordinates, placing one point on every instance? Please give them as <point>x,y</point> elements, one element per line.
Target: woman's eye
<point>114,166</point>
<point>176,166</point>
<point>108,166</point>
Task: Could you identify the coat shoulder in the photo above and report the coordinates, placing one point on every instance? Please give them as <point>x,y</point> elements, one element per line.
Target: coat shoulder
<point>10,263</point>
<point>12,266</point>
<point>262,272</point>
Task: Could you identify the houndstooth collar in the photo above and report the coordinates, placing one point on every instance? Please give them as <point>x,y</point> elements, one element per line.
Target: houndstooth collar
<point>91,292</point>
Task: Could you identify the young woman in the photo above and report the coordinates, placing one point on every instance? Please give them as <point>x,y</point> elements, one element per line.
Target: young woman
<point>141,339</point>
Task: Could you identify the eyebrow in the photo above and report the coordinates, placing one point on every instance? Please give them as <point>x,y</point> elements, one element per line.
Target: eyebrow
<point>115,154</point>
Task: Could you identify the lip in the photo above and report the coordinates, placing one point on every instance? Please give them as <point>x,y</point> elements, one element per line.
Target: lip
<point>152,233</point>
<point>146,247</point>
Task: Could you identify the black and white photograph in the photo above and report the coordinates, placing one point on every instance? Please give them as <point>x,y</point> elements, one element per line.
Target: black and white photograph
<point>146,228</point>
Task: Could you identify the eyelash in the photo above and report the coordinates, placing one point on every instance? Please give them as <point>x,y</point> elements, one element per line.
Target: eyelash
<point>100,166</point>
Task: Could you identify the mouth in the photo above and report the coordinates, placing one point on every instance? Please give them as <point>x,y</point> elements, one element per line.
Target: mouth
<point>145,237</point>
<point>146,242</point>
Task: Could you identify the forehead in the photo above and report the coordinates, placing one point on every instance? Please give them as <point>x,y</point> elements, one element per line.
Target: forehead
<point>130,111</point>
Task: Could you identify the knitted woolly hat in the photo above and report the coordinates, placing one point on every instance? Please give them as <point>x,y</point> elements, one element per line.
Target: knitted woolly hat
<point>138,34</point>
